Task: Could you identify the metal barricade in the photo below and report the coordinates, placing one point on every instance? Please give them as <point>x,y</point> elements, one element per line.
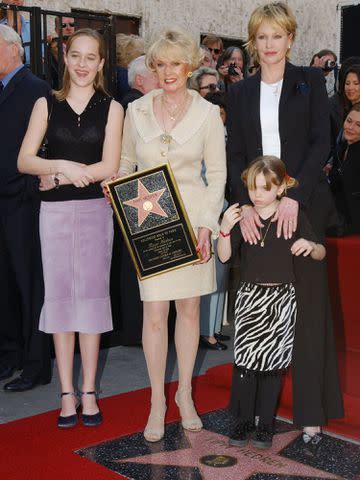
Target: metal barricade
<point>34,24</point>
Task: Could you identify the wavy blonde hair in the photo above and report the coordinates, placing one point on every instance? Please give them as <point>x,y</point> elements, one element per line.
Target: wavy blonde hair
<point>274,171</point>
<point>277,13</point>
<point>99,78</point>
<point>128,47</point>
<point>175,43</point>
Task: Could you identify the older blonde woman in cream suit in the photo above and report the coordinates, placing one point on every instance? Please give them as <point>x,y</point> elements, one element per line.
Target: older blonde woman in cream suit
<point>178,126</point>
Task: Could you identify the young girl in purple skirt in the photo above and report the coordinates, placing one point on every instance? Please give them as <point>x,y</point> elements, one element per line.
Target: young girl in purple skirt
<point>83,128</point>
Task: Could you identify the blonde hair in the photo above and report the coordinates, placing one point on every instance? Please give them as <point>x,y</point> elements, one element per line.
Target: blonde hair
<point>175,43</point>
<point>128,47</point>
<point>277,13</point>
<point>274,171</point>
<point>99,78</point>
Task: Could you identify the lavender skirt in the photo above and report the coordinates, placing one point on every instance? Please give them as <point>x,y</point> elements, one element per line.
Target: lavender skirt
<point>76,245</point>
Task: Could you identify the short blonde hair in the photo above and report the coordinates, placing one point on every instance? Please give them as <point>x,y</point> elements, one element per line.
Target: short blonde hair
<point>128,47</point>
<point>274,171</point>
<point>175,43</point>
<point>277,13</point>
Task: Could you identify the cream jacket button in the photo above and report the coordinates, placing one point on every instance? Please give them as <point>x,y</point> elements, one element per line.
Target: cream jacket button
<point>163,154</point>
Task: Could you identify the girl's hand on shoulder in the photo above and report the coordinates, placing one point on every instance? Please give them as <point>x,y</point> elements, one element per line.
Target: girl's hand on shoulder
<point>204,244</point>
<point>77,174</point>
<point>302,247</point>
<point>231,216</point>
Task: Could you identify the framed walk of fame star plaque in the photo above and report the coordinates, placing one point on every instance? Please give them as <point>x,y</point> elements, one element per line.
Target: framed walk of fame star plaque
<point>154,221</point>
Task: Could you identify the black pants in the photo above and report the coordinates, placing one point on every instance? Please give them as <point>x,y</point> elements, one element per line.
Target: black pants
<point>254,394</point>
<point>21,292</point>
<point>317,394</point>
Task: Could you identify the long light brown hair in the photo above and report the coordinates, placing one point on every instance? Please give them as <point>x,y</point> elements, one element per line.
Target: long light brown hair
<point>99,78</point>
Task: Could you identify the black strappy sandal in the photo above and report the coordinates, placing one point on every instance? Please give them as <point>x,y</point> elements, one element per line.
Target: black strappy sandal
<point>95,419</point>
<point>70,420</point>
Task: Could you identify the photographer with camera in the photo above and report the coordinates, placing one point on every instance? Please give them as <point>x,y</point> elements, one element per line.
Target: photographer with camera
<point>327,61</point>
<point>230,66</point>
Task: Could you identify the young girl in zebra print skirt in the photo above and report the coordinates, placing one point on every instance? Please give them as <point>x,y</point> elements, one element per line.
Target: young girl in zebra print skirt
<point>265,306</point>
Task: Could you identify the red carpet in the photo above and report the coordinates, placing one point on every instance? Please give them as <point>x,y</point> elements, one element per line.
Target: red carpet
<point>35,449</point>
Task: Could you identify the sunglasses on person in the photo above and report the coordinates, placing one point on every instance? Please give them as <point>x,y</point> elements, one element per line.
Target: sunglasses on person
<point>212,87</point>
<point>215,50</point>
<point>68,24</point>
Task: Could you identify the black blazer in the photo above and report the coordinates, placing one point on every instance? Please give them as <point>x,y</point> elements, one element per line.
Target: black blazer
<point>303,124</point>
<point>16,104</point>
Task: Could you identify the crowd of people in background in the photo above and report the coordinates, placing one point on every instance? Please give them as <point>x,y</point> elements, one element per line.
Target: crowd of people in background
<point>213,80</point>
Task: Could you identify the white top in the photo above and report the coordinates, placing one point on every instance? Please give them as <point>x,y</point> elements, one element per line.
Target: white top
<point>269,117</point>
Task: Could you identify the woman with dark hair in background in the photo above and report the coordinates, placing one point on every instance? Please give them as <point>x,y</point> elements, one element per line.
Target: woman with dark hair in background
<point>345,173</point>
<point>340,103</point>
<point>351,88</point>
<point>231,66</point>
<point>283,110</point>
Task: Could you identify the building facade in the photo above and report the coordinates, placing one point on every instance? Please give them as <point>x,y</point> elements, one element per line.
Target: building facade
<point>318,20</point>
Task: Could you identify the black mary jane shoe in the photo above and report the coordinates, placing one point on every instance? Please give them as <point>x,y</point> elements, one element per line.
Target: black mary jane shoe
<point>212,346</point>
<point>70,420</point>
<point>222,338</point>
<point>262,437</point>
<point>241,433</point>
<point>95,419</point>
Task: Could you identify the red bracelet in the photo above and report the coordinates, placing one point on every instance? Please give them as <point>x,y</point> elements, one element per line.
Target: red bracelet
<point>223,234</point>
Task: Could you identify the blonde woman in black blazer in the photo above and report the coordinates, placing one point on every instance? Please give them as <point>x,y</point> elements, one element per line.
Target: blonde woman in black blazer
<point>302,139</point>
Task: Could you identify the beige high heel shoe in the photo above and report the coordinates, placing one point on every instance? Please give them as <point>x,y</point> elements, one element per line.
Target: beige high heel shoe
<point>190,420</point>
<point>154,430</point>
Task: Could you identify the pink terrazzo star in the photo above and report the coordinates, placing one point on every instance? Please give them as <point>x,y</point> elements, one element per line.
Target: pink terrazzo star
<point>146,202</point>
<point>249,459</point>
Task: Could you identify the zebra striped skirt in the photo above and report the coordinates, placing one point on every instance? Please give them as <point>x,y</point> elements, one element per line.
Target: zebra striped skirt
<point>264,326</point>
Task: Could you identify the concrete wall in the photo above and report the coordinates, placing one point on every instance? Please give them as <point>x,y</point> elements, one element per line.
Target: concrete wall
<point>317,19</point>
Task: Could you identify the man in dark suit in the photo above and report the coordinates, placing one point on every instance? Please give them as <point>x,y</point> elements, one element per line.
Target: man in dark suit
<point>22,346</point>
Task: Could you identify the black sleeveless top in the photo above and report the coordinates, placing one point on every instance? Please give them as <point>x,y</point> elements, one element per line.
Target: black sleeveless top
<point>79,138</point>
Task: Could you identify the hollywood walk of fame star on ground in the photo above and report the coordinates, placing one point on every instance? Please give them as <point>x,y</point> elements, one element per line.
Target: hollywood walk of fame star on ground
<point>250,460</point>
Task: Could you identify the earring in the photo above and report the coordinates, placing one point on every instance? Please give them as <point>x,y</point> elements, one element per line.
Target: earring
<point>189,74</point>
<point>289,47</point>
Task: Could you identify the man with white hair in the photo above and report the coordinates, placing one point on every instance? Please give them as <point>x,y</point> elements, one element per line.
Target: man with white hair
<point>141,80</point>
<point>22,346</point>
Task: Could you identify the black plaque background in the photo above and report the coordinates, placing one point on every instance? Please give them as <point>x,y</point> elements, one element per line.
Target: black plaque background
<point>134,241</point>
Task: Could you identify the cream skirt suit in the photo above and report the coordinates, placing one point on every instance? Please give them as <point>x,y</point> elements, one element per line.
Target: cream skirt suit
<point>199,135</point>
